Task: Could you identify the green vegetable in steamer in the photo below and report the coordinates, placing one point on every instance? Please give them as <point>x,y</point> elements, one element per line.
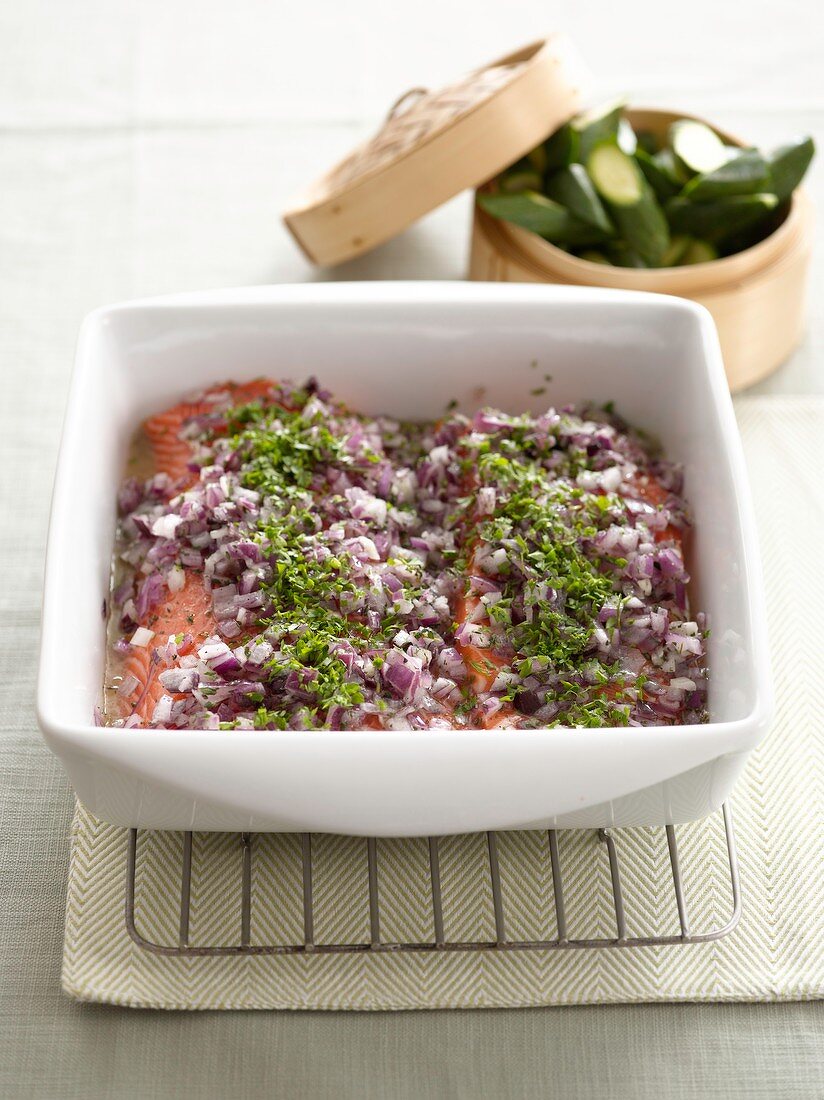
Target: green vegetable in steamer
<point>627,140</point>
<point>746,173</point>
<point>611,195</point>
<point>630,200</point>
<point>699,252</point>
<point>543,216</point>
<point>647,141</point>
<point>661,179</point>
<point>675,250</point>
<point>560,150</point>
<point>521,177</point>
<point>537,159</point>
<point>572,188</point>
<point>621,255</point>
<point>696,147</point>
<point>787,165</point>
<point>713,221</point>
<point>595,126</point>
<point>593,256</point>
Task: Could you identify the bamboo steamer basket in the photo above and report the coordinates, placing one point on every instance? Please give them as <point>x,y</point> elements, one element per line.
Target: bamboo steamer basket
<point>434,144</point>
<point>756,297</point>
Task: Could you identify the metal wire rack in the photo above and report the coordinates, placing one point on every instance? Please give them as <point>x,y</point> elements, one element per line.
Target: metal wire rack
<point>439,942</point>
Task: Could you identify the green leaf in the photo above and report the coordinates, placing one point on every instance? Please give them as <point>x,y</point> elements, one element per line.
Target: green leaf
<point>541,215</point>
<point>571,187</point>
<point>744,174</point>
<point>788,165</point>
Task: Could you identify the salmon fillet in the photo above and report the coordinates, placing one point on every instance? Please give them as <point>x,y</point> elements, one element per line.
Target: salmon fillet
<point>172,454</point>
<point>485,663</point>
<point>188,611</point>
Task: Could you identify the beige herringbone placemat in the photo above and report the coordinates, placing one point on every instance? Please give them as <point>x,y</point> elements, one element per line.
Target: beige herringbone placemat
<point>777,952</point>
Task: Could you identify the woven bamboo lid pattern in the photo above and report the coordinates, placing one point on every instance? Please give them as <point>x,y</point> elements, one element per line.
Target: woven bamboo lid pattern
<point>434,145</point>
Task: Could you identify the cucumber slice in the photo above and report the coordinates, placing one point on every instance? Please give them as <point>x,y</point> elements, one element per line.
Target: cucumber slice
<point>593,256</point>
<point>626,138</point>
<point>745,174</point>
<point>663,182</point>
<point>595,126</point>
<point>678,246</point>
<point>697,148</point>
<point>788,164</point>
<point>699,252</point>
<point>630,200</point>
<point>543,216</point>
<point>520,179</point>
<point>572,188</point>
<point>714,221</point>
<point>615,175</point>
<point>561,148</point>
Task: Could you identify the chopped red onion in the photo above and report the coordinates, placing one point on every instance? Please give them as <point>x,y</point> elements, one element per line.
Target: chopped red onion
<point>396,507</point>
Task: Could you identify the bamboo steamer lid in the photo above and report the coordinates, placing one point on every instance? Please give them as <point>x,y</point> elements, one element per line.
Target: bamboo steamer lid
<point>435,144</point>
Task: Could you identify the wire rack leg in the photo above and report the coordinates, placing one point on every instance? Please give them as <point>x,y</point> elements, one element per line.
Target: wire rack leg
<point>374,909</point>
<point>557,887</point>
<point>246,891</point>
<point>308,908</point>
<point>435,879</point>
<point>678,885</point>
<point>185,890</point>
<point>497,898</point>
<point>615,875</point>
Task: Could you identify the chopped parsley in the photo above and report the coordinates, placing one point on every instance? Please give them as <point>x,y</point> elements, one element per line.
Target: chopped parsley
<point>354,560</point>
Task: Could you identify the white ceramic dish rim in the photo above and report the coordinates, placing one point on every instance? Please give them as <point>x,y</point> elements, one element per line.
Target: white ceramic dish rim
<point>704,741</point>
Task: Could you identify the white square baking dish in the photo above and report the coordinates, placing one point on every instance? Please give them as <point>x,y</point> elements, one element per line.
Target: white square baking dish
<point>405,349</point>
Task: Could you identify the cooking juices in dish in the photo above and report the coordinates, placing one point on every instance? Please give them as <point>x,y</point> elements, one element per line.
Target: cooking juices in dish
<point>291,564</point>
